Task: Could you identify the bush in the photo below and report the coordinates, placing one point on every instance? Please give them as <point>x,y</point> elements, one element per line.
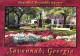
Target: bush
<point>67,26</point>
<point>43,26</point>
<point>33,26</point>
<point>14,26</point>
<point>36,22</point>
<point>22,25</point>
<point>46,26</point>
<point>54,25</point>
<point>5,25</point>
<point>74,27</point>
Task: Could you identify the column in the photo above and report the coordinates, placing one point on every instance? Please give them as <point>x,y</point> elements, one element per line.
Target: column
<point>57,22</point>
<point>52,21</point>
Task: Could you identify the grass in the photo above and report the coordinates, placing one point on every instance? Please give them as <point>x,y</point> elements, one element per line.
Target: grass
<point>65,32</point>
<point>72,32</point>
<point>74,29</point>
<point>55,31</point>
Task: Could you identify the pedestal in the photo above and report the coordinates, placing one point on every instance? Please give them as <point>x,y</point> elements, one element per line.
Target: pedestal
<point>40,22</point>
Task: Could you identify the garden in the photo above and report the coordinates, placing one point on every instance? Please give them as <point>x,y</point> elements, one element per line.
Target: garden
<point>36,27</point>
<point>39,39</point>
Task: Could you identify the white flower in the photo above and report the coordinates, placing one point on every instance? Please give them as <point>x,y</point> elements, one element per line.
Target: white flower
<point>38,36</point>
<point>6,35</point>
<point>68,38</point>
<point>45,38</point>
<point>22,37</point>
<point>58,37</point>
<point>50,36</point>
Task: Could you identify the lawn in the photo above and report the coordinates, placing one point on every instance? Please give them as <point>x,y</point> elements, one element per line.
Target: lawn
<point>72,32</point>
<point>27,28</point>
<point>65,32</point>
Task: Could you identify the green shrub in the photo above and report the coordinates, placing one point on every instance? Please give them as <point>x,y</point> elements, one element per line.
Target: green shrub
<point>43,26</point>
<point>67,26</point>
<point>46,26</point>
<point>33,26</point>
<point>54,25</point>
<point>74,27</point>
<point>14,26</point>
<point>64,38</point>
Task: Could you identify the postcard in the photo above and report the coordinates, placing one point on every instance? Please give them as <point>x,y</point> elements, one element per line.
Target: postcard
<point>44,28</point>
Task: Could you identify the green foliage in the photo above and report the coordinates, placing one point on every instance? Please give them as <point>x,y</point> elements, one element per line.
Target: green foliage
<point>64,38</point>
<point>68,11</point>
<point>64,32</point>
<point>67,26</point>
<point>13,26</point>
<point>74,29</point>
<point>46,26</point>
<point>33,26</point>
<point>28,13</point>
<point>43,26</point>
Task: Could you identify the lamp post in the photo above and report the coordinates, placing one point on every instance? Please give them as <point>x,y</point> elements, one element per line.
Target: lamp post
<point>40,20</point>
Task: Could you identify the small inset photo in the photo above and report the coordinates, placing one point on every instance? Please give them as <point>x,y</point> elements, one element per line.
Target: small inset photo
<point>40,26</point>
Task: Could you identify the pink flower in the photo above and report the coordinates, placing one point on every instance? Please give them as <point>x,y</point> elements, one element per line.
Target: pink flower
<point>71,39</point>
<point>61,34</point>
<point>25,23</point>
<point>37,44</point>
<point>30,45</point>
<point>7,33</point>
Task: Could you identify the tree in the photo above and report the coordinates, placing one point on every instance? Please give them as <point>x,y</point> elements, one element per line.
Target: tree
<point>20,11</point>
<point>33,12</point>
<point>63,11</point>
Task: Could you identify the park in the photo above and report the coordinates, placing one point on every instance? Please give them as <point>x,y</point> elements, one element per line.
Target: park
<point>40,26</point>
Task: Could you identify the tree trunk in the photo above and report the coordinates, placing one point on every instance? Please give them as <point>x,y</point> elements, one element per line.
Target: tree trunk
<point>27,16</point>
<point>64,21</point>
<point>5,19</point>
<point>18,19</point>
<point>8,19</point>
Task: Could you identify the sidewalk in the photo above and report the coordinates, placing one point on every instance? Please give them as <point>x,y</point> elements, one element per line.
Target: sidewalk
<point>61,29</point>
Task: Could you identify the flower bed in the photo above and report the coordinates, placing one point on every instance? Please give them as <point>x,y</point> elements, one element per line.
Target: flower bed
<point>37,39</point>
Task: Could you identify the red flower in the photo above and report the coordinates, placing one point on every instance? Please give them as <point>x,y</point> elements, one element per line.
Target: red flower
<point>37,44</point>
